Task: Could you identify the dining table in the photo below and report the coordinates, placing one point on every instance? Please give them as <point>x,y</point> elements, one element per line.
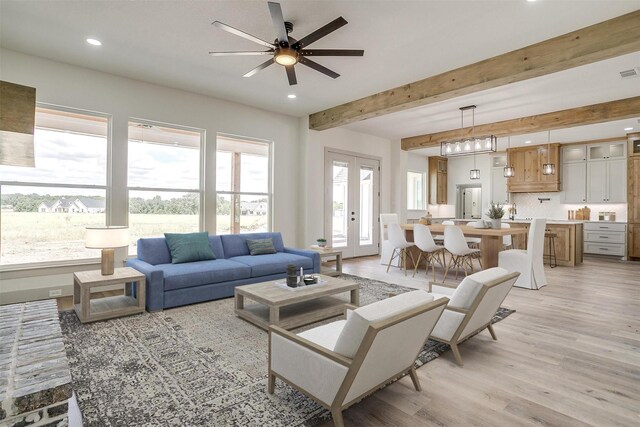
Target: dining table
<point>490,239</point>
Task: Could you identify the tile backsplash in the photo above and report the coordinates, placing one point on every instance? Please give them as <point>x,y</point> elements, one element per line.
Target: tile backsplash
<point>529,206</point>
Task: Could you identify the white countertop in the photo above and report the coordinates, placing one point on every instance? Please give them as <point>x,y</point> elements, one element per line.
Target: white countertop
<point>549,221</point>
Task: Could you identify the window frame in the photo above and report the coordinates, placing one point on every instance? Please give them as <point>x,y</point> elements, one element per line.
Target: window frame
<point>201,178</point>
<point>423,176</point>
<point>106,187</point>
<point>269,194</point>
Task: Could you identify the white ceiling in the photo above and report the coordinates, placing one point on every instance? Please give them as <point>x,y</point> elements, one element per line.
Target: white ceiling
<point>166,42</point>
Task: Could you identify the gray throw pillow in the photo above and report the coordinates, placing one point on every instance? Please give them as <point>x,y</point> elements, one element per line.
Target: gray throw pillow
<point>261,246</point>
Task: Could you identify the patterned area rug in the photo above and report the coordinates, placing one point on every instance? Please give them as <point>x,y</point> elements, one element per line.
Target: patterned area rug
<point>197,365</point>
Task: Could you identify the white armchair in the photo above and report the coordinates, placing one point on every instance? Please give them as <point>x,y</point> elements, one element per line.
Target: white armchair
<point>529,263</point>
<point>339,363</point>
<point>472,305</point>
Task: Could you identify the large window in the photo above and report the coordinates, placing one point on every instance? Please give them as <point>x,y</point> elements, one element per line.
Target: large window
<point>46,208</point>
<point>164,180</point>
<point>243,186</point>
<point>416,190</point>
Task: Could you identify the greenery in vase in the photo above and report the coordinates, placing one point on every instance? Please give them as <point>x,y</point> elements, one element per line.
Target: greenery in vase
<point>321,240</point>
<point>496,211</point>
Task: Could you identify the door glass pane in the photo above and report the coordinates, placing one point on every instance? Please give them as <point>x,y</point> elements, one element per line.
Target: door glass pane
<point>340,176</point>
<point>597,152</point>
<point>573,154</point>
<point>366,205</point>
<point>616,150</point>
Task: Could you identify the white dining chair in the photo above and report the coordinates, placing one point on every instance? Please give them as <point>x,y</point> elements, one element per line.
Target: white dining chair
<point>461,253</point>
<point>429,250</point>
<point>474,242</point>
<point>400,246</point>
<point>386,248</point>
<point>439,238</point>
<point>529,262</point>
<point>507,241</point>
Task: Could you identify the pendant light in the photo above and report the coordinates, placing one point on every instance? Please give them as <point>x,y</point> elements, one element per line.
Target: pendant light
<point>509,171</point>
<point>549,168</point>
<point>474,173</point>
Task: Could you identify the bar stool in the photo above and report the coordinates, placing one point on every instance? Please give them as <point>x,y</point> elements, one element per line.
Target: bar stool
<point>550,237</point>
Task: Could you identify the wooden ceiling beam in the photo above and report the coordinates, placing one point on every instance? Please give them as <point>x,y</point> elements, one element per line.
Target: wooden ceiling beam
<point>608,39</point>
<point>580,116</point>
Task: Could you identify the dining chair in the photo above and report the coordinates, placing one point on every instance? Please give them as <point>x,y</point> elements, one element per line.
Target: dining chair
<point>507,241</point>
<point>529,262</point>
<point>400,246</point>
<point>461,253</point>
<point>385,245</point>
<point>439,238</point>
<point>474,242</point>
<point>429,250</point>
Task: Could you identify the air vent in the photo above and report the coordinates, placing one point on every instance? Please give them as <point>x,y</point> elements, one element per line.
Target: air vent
<point>627,74</point>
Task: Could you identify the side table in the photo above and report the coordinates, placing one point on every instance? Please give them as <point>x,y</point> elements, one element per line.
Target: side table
<point>330,253</point>
<point>132,302</point>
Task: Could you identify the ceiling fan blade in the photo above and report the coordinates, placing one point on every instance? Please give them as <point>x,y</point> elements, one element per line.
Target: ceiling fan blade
<point>237,32</point>
<point>259,67</point>
<point>320,32</point>
<point>242,53</point>
<point>291,75</point>
<point>324,70</point>
<point>332,52</point>
<point>278,23</point>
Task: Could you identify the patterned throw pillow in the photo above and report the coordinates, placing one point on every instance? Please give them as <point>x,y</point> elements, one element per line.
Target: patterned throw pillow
<point>189,247</point>
<point>261,246</point>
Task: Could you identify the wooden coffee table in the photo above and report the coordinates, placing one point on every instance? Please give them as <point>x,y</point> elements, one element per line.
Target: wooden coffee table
<point>291,308</point>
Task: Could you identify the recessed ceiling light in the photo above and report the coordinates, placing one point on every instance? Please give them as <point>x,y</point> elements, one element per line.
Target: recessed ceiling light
<point>94,42</point>
<point>292,96</point>
<point>628,128</point>
<point>527,142</point>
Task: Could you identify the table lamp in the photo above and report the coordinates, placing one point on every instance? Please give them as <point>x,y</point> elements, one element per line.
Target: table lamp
<point>107,239</point>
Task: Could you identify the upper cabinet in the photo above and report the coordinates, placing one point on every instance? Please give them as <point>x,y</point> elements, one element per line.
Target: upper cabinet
<point>438,180</point>
<point>594,173</point>
<point>528,162</point>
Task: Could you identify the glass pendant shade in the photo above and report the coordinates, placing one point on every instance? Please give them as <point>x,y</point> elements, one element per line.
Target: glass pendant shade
<point>548,169</point>
<point>509,171</point>
<point>474,174</point>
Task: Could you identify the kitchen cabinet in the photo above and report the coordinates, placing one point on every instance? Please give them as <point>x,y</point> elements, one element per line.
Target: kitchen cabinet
<point>569,247</point>
<point>633,196</point>
<point>528,162</point>
<point>574,177</point>
<point>606,181</point>
<point>604,238</point>
<point>606,151</point>
<point>438,180</point>
<point>574,154</point>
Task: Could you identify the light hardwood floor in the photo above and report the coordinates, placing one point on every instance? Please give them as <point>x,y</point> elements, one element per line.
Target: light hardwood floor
<point>570,355</point>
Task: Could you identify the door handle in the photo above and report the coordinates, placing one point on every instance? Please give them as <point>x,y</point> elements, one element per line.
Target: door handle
<point>353,219</point>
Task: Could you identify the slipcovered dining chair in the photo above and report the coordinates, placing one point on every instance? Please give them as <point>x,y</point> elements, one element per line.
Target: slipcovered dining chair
<point>471,307</point>
<point>429,250</point>
<point>386,248</point>
<point>339,363</point>
<point>461,253</point>
<point>507,241</point>
<point>529,262</point>
<point>400,246</point>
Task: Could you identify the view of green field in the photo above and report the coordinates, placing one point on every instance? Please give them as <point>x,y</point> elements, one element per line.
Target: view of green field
<point>38,237</point>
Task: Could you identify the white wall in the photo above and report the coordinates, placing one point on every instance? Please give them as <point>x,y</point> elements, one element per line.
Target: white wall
<point>458,173</point>
<point>345,140</point>
<point>71,86</point>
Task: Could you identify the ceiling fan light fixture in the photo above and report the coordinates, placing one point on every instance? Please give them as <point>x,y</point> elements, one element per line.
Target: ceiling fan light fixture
<point>286,56</point>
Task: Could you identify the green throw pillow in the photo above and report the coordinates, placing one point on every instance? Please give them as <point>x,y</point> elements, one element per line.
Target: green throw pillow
<point>189,247</point>
<point>261,246</point>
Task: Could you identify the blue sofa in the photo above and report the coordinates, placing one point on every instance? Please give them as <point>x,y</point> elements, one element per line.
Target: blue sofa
<point>173,285</point>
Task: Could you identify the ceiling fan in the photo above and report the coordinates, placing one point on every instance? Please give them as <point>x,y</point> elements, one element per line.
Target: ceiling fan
<point>286,50</point>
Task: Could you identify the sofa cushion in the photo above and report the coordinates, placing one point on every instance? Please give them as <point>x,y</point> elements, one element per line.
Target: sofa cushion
<point>153,250</point>
<point>235,244</point>
<point>325,335</point>
<point>189,247</point>
<point>359,321</point>
<point>265,265</point>
<point>216,246</point>
<point>177,276</point>
<point>261,246</point>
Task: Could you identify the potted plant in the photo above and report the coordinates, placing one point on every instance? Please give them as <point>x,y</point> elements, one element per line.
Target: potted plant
<point>496,212</point>
<point>322,242</point>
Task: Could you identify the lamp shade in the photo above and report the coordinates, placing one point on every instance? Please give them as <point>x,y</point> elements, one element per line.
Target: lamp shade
<point>106,237</point>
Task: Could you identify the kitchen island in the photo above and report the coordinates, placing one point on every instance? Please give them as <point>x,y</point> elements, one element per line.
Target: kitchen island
<point>569,248</point>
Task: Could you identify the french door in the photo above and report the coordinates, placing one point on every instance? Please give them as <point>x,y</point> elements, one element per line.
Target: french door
<point>352,203</point>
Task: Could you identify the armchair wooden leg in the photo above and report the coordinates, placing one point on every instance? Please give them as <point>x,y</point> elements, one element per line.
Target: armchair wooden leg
<point>492,332</point>
<point>456,354</point>
<point>414,378</point>
<point>336,413</point>
<point>271,385</point>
